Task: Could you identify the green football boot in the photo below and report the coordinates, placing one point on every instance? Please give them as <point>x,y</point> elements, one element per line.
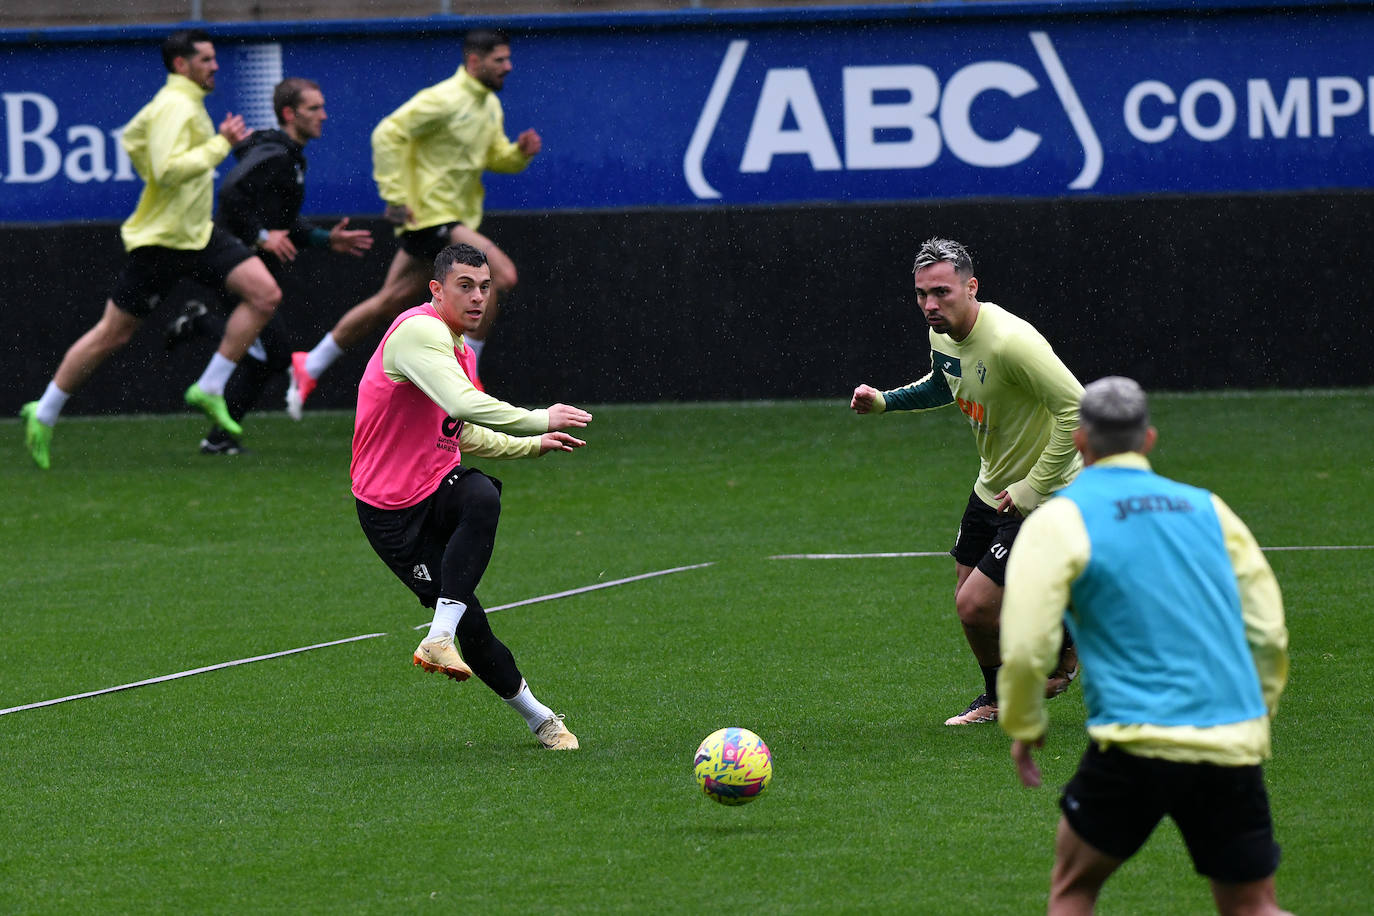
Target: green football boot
<point>214,407</point>
<point>37,435</point>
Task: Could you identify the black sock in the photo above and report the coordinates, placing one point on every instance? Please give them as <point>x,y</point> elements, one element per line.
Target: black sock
<point>990,681</point>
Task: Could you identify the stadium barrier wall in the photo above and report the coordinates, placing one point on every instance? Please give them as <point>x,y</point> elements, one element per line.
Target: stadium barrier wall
<point>728,201</point>
<point>932,101</point>
<point>780,302</point>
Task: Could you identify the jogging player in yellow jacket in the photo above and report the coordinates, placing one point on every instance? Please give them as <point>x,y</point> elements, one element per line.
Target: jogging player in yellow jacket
<point>428,157</point>
<point>1022,404</point>
<point>175,148</point>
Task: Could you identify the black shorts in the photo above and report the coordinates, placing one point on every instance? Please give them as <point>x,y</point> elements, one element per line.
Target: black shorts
<point>985,539</point>
<point>425,244</point>
<point>1115,800</point>
<point>411,541</point>
<point>150,273</point>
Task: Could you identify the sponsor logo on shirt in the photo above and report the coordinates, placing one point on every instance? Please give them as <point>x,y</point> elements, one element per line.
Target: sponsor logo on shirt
<point>448,434</point>
<point>949,365</point>
<point>1140,504</point>
<point>973,410</point>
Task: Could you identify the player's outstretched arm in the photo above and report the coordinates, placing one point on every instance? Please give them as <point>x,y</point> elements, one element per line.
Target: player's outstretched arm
<point>865,400</point>
<point>279,244</point>
<point>563,416</point>
<point>233,129</point>
<point>1026,769</point>
<point>558,442</point>
<point>349,241</point>
<point>529,142</point>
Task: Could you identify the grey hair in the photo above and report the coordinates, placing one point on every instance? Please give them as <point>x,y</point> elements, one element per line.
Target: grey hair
<point>1114,415</point>
<point>936,250</point>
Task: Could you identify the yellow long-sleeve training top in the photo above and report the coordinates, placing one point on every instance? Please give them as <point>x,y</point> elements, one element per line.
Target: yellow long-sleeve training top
<point>420,351</point>
<point>430,153</point>
<point>1177,616</point>
<point>174,148</point>
<point>1020,399</point>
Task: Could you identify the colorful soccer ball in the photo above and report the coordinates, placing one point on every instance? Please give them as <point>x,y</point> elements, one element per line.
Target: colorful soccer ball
<point>733,766</point>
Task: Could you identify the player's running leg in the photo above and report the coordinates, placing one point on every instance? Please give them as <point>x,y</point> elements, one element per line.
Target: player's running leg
<point>253,284</point>
<point>406,285</point>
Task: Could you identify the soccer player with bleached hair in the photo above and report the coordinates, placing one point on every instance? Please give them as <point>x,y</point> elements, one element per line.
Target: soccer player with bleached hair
<point>1021,402</point>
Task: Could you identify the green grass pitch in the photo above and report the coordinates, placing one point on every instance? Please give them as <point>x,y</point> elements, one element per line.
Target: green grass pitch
<point>344,780</point>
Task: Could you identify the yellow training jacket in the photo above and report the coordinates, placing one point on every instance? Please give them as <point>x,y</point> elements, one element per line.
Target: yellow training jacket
<point>1053,550</point>
<point>174,148</point>
<point>430,153</point>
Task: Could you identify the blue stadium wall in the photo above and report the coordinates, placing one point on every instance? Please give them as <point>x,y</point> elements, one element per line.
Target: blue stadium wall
<point>728,202</point>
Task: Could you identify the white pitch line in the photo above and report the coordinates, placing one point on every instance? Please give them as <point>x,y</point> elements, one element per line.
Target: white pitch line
<point>1333,547</point>
<point>945,553</point>
<point>858,556</point>
<point>181,674</point>
<point>590,588</point>
<point>336,642</point>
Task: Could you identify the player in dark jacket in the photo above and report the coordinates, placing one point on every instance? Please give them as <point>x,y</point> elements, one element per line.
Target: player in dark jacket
<point>260,202</point>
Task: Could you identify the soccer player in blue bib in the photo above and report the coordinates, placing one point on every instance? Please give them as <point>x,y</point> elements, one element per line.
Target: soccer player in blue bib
<point>1180,630</point>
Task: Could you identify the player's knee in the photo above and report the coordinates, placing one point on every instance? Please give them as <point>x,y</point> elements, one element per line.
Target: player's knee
<point>973,611</point>
<point>265,301</point>
<point>114,336</point>
<point>504,278</point>
<point>483,505</point>
<point>394,300</point>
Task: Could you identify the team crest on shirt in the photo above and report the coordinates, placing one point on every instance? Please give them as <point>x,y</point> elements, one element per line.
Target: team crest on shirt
<point>982,371</point>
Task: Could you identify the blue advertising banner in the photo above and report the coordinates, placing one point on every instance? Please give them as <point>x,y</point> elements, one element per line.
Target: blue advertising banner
<point>937,101</point>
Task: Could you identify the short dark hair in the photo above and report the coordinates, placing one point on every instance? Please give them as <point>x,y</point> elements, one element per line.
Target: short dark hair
<point>462,253</point>
<point>288,92</point>
<point>1115,415</point>
<point>182,44</point>
<point>483,42</point>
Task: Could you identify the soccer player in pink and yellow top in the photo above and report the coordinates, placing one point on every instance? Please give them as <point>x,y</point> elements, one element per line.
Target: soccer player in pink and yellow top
<point>431,519</point>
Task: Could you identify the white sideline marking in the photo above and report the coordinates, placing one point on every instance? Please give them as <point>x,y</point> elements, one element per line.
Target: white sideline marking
<point>181,674</point>
<point>590,588</point>
<point>336,642</point>
<point>858,556</point>
<point>945,553</point>
<point>551,597</point>
<point>1333,547</point>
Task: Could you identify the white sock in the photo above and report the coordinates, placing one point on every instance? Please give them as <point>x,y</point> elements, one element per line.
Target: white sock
<point>323,356</point>
<point>216,375</point>
<point>447,613</point>
<point>258,351</point>
<point>51,404</point>
<point>535,712</point>
<point>476,347</point>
